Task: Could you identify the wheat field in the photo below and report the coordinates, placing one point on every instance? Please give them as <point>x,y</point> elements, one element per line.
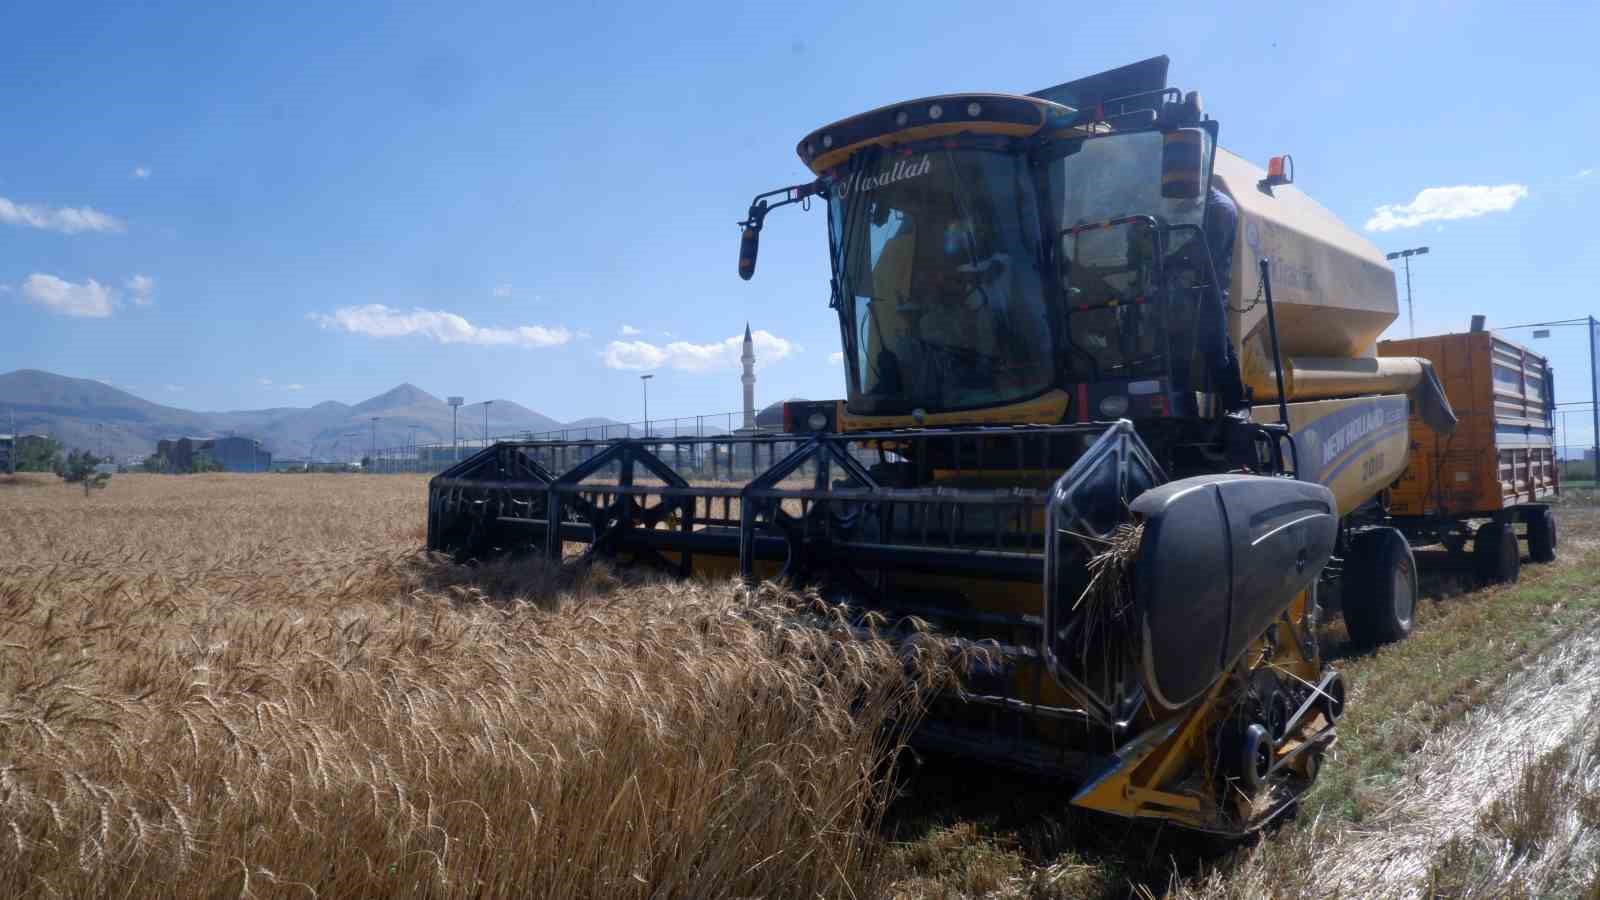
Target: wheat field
<point>224,685</point>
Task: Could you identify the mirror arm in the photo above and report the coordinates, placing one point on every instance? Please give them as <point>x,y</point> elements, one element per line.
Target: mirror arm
<point>749,241</point>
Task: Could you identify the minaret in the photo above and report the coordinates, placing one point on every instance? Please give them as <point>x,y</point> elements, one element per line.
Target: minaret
<point>749,379</point>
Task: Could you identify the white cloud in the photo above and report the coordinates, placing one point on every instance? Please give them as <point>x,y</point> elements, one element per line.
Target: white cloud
<point>836,358</point>
<point>141,287</point>
<point>294,387</point>
<point>174,389</point>
<point>141,172</point>
<point>263,381</point>
<point>66,220</point>
<point>90,300</point>
<point>629,331</point>
<point>377,320</point>
<point>1585,173</point>
<point>583,334</point>
<point>687,357</point>
<point>503,290</point>
<point>1439,204</point>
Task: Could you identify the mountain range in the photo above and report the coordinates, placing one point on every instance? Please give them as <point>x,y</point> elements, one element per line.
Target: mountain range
<point>88,414</point>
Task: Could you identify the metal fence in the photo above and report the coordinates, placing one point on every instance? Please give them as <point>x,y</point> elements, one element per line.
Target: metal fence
<point>435,457</point>
<point>1574,444</point>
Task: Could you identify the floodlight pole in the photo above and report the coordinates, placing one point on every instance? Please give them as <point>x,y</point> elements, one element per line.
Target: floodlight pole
<point>455,405</point>
<point>644,380</point>
<point>1411,310</point>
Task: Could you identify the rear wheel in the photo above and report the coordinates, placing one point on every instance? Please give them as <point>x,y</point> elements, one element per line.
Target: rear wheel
<point>1541,533</point>
<point>1380,587</point>
<point>1495,553</point>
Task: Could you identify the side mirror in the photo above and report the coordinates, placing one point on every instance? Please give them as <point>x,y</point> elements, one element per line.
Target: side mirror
<point>1182,152</point>
<point>749,244</point>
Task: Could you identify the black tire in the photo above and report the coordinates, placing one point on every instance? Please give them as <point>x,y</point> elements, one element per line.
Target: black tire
<point>1495,553</point>
<point>1380,587</point>
<point>1541,533</point>
<point>1249,757</point>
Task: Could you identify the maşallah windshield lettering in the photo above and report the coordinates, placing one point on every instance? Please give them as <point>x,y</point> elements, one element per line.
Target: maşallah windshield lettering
<point>900,171</point>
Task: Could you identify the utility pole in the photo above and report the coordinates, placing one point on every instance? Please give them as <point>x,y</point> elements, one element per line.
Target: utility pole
<point>1594,398</point>
<point>644,380</point>
<point>1411,310</point>
<point>372,457</point>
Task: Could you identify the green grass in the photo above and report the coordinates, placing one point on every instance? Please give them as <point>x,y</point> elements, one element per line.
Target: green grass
<point>1461,652</point>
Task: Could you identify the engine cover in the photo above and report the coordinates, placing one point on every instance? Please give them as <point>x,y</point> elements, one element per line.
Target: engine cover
<point>1221,557</point>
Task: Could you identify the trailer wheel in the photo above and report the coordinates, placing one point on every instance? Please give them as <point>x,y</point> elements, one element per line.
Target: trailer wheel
<point>1541,533</point>
<point>1380,587</point>
<point>1495,552</point>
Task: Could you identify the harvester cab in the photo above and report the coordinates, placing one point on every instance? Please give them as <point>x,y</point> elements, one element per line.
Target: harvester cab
<point>1047,451</point>
<point>1012,259</point>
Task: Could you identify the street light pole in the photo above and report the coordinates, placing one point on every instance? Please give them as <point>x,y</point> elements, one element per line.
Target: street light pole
<point>644,380</point>
<point>1411,310</point>
<point>486,422</point>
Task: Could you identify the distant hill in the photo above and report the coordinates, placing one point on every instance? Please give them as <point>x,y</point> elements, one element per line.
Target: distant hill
<point>84,413</point>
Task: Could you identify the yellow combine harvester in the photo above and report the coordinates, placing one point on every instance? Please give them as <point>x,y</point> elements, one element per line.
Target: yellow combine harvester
<point>1068,440</point>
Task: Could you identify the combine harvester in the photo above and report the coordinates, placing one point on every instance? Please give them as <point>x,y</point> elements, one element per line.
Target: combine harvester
<point>1049,447</point>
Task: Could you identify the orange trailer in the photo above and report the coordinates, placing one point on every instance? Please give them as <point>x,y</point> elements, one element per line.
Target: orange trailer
<point>1499,464</point>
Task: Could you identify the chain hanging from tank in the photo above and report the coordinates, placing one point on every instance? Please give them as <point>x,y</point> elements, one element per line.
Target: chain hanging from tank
<point>1260,289</point>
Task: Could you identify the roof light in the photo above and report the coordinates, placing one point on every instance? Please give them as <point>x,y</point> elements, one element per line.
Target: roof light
<point>936,112</point>
<point>827,141</point>
<point>974,108</point>
<point>901,118</point>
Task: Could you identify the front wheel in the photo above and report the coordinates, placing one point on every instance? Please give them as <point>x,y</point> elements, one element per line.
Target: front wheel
<point>1380,587</point>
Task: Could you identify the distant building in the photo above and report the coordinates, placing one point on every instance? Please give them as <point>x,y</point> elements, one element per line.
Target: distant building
<point>12,445</point>
<point>234,454</point>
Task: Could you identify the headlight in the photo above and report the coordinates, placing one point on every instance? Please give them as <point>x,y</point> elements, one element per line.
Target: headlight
<point>817,421</point>
<point>1114,406</point>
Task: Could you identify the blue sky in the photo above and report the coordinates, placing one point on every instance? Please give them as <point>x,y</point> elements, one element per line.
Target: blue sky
<point>199,199</point>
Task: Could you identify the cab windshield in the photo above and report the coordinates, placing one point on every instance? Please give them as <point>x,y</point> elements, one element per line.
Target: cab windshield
<point>936,256</point>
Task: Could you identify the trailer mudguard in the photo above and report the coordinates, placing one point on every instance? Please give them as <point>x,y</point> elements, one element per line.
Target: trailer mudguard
<point>1221,557</point>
